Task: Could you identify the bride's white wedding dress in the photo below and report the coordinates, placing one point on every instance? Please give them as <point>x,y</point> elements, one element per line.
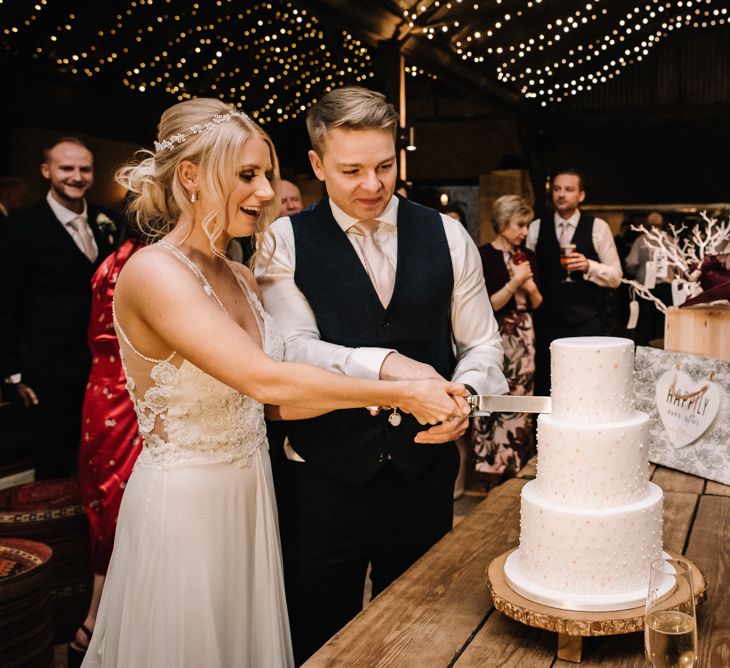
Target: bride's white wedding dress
<point>195,578</point>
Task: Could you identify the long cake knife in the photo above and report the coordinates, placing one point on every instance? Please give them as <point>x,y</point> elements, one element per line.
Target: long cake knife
<point>486,404</point>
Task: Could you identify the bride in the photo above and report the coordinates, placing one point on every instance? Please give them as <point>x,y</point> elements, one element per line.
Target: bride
<point>195,577</point>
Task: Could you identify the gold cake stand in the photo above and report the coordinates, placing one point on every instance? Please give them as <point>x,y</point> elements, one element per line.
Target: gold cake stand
<point>571,626</point>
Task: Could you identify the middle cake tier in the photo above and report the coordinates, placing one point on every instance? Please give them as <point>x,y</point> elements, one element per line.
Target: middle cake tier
<point>593,466</point>
<point>589,550</point>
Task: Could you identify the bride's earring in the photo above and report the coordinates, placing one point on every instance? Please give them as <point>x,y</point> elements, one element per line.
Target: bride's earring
<point>194,196</point>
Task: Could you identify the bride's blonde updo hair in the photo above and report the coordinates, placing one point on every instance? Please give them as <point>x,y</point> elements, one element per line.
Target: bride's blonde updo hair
<point>158,198</point>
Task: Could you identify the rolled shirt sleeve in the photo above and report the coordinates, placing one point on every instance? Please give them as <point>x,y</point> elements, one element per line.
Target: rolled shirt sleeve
<point>606,272</point>
<point>476,340</point>
<point>294,316</point>
<point>477,343</point>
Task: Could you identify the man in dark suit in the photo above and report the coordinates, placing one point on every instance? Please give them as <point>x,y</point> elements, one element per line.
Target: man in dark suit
<point>574,302</point>
<point>49,255</point>
<point>376,286</point>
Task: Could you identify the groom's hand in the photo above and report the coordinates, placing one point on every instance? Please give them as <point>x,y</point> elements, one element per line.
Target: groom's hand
<point>449,430</point>
<point>399,367</point>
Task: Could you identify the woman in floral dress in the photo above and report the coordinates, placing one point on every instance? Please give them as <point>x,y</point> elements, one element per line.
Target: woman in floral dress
<point>503,442</point>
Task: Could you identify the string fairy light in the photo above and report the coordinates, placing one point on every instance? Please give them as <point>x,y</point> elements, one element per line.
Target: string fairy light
<point>271,59</point>
<point>418,72</point>
<point>562,49</point>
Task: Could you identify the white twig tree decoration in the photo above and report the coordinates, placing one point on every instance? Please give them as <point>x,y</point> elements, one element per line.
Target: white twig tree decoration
<point>685,255</point>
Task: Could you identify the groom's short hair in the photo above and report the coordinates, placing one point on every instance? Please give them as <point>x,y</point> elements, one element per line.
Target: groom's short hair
<point>353,108</point>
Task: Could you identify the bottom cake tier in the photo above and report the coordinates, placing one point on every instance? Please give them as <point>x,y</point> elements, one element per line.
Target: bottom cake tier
<point>587,551</point>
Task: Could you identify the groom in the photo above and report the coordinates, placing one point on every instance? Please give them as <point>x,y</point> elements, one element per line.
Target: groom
<point>375,286</point>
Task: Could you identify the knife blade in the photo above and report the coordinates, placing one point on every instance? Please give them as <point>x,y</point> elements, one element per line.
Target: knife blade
<point>486,404</point>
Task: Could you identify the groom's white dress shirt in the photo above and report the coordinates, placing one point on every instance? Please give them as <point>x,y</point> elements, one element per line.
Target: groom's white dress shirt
<point>476,340</point>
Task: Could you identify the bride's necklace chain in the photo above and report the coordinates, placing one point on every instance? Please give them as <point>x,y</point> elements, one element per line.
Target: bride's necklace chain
<point>197,271</point>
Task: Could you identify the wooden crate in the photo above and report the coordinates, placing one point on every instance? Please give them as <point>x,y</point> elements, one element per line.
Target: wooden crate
<point>700,331</point>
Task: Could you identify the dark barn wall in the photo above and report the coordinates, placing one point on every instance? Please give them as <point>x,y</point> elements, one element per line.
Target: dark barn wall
<point>658,133</point>
<point>461,149</point>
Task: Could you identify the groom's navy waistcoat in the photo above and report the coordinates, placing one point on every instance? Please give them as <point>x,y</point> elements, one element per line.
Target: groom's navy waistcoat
<point>351,445</point>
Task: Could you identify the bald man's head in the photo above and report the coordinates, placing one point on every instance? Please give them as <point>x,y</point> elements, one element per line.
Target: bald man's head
<point>655,219</point>
<point>291,198</point>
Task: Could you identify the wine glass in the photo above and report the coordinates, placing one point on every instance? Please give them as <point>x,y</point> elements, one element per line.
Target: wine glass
<point>565,251</point>
<point>670,626</point>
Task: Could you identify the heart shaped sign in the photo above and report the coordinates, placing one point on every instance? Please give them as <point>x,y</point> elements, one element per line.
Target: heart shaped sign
<point>686,408</point>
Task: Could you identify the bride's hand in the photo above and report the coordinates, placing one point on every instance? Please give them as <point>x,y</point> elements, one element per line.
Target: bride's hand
<point>433,401</point>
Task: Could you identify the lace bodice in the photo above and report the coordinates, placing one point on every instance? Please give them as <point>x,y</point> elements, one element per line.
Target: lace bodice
<point>186,415</point>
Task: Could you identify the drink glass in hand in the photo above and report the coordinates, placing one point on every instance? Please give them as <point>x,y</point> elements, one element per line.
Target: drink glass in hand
<point>670,626</point>
<point>565,250</point>
<point>518,257</point>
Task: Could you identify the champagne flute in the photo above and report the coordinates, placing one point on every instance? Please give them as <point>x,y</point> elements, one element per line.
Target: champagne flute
<point>565,251</point>
<point>670,626</point>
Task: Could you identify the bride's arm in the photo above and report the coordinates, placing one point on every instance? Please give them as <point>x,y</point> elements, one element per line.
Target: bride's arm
<point>272,412</point>
<point>162,307</point>
<point>276,413</point>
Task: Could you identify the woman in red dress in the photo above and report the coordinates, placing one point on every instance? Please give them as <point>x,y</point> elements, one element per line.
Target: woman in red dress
<point>110,440</point>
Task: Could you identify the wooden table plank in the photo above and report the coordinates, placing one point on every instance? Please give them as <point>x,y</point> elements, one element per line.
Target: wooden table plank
<point>676,481</point>
<point>529,470</point>
<point>626,651</point>
<point>426,616</point>
<point>679,509</point>
<point>439,612</point>
<point>717,488</point>
<point>708,549</point>
<point>504,642</point>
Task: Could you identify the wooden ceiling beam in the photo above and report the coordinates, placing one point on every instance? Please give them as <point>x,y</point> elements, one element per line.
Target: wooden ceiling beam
<point>381,22</point>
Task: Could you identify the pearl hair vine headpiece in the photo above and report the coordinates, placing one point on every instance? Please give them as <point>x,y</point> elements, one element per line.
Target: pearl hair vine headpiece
<point>174,140</point>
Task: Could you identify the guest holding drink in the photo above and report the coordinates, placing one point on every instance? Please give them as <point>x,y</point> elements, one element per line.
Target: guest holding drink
<point>503,442</point>
<point>574,304</point>
<point>566,250</point>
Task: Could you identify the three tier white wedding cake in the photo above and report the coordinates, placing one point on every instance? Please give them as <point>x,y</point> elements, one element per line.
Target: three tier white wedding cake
<point>591,522</point>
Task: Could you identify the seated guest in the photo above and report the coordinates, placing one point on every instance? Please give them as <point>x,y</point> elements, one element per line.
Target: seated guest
<point>503,442</point>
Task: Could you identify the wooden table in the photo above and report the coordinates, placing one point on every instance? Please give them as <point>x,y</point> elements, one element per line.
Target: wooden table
<point>439,612</point>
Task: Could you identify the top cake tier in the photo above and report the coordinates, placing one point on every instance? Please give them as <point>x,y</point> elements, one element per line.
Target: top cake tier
<point>591,379</point>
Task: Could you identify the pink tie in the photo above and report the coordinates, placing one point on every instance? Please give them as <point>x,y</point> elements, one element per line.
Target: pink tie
<point>379,269</point>
<point>565,235</point>
<point>84,238</point>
